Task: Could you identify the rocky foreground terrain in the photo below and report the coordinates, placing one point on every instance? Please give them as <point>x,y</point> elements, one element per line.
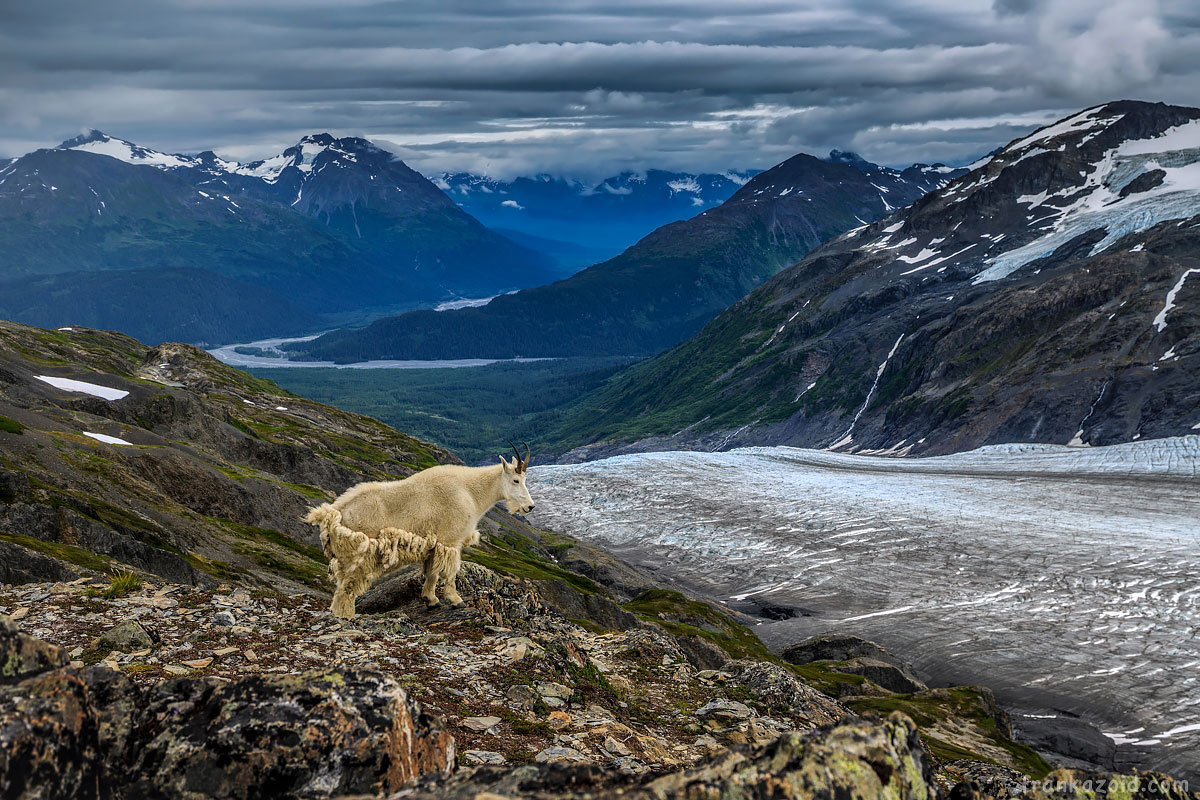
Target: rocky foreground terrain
<point>174,691</point>
<point>165,630</point>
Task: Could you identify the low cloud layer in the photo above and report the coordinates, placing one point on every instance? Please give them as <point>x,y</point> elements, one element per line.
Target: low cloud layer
<point>580,87</point>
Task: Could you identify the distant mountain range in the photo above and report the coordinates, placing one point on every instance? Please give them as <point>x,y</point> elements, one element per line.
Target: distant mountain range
<point>1052,294</point>
<point>102,232</point>
<point>585,222</point>
<point>666,286</point>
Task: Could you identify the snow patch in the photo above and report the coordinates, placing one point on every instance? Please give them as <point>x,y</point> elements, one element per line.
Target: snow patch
<point>72,385</point>
<point>104,437</point>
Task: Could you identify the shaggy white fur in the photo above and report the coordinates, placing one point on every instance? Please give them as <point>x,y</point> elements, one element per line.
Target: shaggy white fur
<point>376,527</point>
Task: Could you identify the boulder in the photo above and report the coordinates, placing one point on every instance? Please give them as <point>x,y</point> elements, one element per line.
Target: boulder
<point>126,637</point>
<point>727,712</point>
<point>22,656</point>
<point>779,689</point>
<point>495,598</point>
<point>837,647</point>
<point>889,676</point>
<point>701,653</point>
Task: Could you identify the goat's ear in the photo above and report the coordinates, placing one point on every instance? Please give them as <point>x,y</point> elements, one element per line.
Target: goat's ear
<point>507,466</point>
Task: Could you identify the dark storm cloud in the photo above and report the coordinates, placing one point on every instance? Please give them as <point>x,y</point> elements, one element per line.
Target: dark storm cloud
<point>584,87</point>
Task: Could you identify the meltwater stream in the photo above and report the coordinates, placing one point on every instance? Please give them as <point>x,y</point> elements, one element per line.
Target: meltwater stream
<point>1067,579</point>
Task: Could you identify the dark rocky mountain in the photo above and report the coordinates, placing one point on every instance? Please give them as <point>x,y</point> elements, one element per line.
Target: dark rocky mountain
<point>661,290</point>
<point>329,229</point>
<point>1050,295</point>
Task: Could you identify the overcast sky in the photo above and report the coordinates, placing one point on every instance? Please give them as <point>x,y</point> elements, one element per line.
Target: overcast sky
<point>580,87</point>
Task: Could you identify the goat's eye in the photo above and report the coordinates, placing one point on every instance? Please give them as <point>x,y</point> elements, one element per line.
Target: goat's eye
<point>515,480</point>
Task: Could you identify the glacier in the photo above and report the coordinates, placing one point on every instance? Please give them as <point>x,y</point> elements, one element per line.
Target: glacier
<point>1067,579</point>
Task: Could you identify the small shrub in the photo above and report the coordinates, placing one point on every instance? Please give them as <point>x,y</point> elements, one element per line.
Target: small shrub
<point>10,425</point>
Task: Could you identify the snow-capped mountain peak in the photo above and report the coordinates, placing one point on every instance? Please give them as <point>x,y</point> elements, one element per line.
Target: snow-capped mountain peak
<point>94,141</point>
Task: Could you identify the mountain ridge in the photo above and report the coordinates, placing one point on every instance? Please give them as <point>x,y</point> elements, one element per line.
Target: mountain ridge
<point>657,292</point>
<point>1025,301</point>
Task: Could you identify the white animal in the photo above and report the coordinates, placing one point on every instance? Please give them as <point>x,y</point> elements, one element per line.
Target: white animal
<point>375,527</point>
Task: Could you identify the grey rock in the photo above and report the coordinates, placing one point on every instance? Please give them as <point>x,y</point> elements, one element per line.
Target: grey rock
<point>481,724</point>
<point>554,690</point>
<point>727,711</point>
<point>224,618</point>
<point>780,688</point>
<point>126,636</point>
<point>483,757</point>
<point>702,653</point>
<point>889,676</point>
<point>523,695</point>
<point>561,755</point>
<point>22,656</point>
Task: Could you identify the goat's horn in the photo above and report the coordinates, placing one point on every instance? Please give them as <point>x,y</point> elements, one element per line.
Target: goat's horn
<point>525,466</point>
<point>517,453</point>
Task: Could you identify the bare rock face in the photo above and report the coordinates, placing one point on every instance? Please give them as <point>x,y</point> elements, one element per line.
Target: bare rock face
<point>49,738</point>
<point>306,735</point>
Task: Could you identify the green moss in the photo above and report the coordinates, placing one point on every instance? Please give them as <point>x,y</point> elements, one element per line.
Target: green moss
<point>592,686</point>
<point>10,425</point>
<point>510,553</point>
<point>63,552</point>
<point>929,708</point>
<point>683,617</point>
<point>831,682</point>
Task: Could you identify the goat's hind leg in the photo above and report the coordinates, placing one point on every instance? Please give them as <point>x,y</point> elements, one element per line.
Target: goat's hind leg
<point>450,568</point>
<point>429,592</point>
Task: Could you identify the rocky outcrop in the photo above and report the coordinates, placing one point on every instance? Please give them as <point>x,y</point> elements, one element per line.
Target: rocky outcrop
<point>857,656</point>
<point>852,761</point>
<point>87,733</point>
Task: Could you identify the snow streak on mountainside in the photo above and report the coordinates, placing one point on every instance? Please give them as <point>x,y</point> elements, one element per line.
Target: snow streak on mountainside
<point>1063,578</point>
<point>1044,296</point>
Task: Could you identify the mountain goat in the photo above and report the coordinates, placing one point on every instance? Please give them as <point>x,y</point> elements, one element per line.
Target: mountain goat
<point>375,527</point>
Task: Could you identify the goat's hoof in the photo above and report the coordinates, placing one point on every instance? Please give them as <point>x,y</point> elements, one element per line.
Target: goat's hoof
<point>458,604</point>
<point>434,603</point>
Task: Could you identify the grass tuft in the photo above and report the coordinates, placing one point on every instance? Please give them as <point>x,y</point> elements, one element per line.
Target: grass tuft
<point>121,584</point>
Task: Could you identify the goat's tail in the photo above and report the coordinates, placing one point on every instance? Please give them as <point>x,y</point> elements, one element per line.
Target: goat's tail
<point>329,519</point>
